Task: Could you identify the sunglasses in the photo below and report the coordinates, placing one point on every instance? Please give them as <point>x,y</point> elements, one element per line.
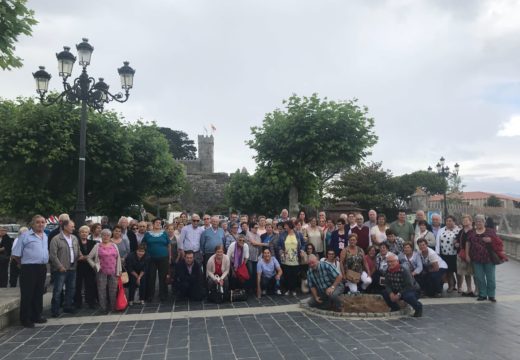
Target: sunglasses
<point>195,220</point>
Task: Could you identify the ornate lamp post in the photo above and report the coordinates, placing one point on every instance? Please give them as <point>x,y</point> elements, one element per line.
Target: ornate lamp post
<point>445,172</point>
<point>86,91</point>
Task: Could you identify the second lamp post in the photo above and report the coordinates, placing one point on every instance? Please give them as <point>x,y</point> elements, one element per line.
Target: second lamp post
<point>445,172</point>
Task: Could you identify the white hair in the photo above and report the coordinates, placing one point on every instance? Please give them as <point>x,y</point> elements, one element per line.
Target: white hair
<point>106,232</point>
<point>391,255</point>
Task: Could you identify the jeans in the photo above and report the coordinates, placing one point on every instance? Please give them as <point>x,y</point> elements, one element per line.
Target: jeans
<point>485,278</point>
<point>409,297</point>
<point>270,285</point>
<point>431,282</point>
<point>132,286</point>
<point>67,278</point>
<point>327,302</point>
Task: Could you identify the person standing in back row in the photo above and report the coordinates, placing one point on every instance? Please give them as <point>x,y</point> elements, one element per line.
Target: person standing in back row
<point>32,252</point>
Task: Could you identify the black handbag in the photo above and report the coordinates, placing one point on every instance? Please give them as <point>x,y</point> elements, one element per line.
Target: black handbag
<point>495,259</point>
<point>238,295</point>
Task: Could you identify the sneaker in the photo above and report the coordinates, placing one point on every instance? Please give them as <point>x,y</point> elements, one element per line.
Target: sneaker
<point>142,302</point>
<point>41,320</point>
<point>418,313</point>
<point>287,293</point>
<point>264,292</point>
<point>481,298</point>
<point>294,293</point>
<point>278,292</point>
<point>130,303</point>
<point>492,299</point>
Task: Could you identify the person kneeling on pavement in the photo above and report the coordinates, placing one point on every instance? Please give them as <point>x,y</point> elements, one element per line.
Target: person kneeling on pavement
<point>400,285</point>
<point>188,278</point>
<point>268,274</point>
<point>217,271</point>
<point>137,265</point>
<point>325,283</point>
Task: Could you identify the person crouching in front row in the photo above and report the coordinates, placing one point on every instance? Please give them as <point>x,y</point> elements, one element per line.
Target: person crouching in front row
<point>137,265</point>
<point>189,277</point>
<point>400,285</point>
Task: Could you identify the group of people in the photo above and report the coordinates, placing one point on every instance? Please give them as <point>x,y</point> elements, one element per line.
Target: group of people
<point>194,259</point>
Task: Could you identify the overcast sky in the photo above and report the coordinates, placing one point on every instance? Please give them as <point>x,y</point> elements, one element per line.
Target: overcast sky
<point>440,78</point>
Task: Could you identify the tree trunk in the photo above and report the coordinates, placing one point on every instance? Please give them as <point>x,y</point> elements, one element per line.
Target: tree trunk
<point>293,201</point>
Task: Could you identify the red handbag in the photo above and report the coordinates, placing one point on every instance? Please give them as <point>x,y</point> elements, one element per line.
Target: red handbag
<point>242,272</point>
<point>121,302</point>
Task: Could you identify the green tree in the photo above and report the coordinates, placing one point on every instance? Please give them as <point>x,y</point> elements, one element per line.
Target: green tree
<point>38,152</point>
<point>312,140</point>
<point>15,20</point>
<point>493,201</point>
<point>265,192</point>
<point>181,147</point>
<point>405,185</point>
<point>368,185</point>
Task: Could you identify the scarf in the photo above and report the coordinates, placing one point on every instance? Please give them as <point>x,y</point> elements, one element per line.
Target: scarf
<point>395,269</point>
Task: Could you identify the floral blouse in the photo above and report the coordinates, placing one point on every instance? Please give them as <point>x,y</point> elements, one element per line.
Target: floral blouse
<point>354,261</point>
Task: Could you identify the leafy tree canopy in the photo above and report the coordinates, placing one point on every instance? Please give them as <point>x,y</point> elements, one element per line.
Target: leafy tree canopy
<point>493,201</point>
<point>312,140</point>
<point>181,147</point>
<point>38,152</point>
<point>405,185</point>
<point>370,186</point>
<point>15,19</point>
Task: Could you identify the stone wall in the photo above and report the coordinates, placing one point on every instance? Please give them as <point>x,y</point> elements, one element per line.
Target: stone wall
<point>205,192</point>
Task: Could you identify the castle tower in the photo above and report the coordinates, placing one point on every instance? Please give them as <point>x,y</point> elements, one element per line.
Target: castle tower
<point>205,149</point>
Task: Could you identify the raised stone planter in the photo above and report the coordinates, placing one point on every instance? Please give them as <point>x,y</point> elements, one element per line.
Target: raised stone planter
<point>359,306</point>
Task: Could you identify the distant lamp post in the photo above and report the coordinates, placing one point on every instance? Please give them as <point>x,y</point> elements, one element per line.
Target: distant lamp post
<point>86,91</point>
<point>444,171</point>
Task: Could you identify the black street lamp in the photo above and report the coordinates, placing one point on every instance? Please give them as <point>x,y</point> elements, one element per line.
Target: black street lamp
<point>445,172</point>
<point>86,91</point>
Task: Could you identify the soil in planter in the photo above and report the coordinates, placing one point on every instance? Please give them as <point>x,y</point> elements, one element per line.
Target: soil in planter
<point>364,304</point>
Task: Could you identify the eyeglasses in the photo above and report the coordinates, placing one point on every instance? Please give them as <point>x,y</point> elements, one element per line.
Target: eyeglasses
<point>195,220</point>
<point>206,218</point>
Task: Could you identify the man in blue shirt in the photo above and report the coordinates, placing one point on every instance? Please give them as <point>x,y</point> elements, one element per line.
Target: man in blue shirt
<point>32,252</point>
<point>190,238</point>
<point>210,239</point>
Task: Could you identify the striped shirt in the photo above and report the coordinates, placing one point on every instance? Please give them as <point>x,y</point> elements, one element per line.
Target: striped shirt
<point>322,277</point>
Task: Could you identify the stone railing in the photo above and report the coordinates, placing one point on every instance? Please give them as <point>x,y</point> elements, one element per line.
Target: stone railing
<point>511,245</point>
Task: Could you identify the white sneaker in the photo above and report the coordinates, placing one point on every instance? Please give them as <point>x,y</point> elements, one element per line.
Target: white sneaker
<point>264,292</point>
<point>142,302</point>
<point>294,293</point>
<point>287,293</point>
<point>278,292</point>
<point>130,303</point>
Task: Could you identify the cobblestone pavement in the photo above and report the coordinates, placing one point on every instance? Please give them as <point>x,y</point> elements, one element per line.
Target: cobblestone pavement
<point>468,330</point>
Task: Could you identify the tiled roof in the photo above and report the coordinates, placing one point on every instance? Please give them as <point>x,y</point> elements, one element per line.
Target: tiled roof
<point>476,195</point>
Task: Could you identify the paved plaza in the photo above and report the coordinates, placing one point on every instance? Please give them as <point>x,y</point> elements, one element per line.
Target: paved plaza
<point>274,328</point>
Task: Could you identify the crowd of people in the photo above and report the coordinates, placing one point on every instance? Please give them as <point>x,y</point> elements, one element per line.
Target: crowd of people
<point>226,260</point>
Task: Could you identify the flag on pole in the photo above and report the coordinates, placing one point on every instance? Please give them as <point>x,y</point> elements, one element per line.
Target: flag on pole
<point>213,128</point>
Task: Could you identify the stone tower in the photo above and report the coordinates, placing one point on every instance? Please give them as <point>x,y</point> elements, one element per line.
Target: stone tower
<point>205,148</point>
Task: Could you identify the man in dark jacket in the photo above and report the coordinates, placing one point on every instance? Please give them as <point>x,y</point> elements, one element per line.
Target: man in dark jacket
<point>400,285</point>
<point>6,243</point>
<point>189,277</point>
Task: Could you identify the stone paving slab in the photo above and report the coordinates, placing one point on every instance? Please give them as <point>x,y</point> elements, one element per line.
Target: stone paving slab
<point>461,330</point>
<point>472,331</point>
